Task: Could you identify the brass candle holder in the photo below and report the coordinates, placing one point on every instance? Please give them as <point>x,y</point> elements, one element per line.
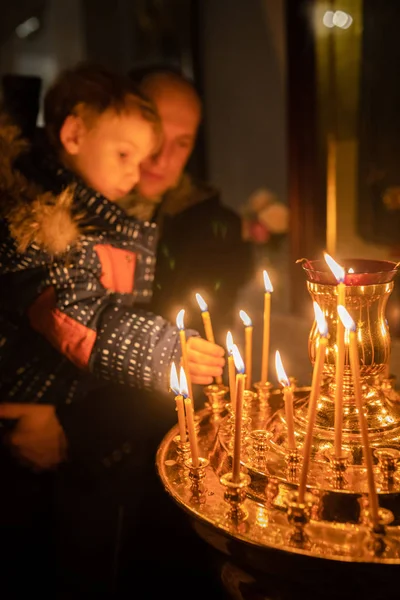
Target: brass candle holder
<point>235,495</point>
<point>334,524</point>
<point>216,398</point>
<point>197,476</point>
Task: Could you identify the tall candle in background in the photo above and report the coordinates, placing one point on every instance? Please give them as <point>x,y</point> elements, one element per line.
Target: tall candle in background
<point>175,387</point>
<point>339,273</point>
<point>288,398</point>
<point>355,370</point>
<point>312,403</point>
<point>194,450</point>
<point>248,349</point>
<point>240,386</point>
<point>182,336</point>
<point>208,328</point>
<point>266,327</point>
<point>231,370</point>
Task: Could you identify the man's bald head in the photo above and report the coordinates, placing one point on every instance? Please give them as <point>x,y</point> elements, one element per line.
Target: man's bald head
<point>172,85</point>
<point>180,110</point>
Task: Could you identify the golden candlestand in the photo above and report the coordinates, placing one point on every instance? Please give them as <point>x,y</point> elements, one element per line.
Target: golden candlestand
<point>333,526</point>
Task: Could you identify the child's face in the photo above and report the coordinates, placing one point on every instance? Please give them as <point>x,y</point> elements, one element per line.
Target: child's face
<point>107,153</point>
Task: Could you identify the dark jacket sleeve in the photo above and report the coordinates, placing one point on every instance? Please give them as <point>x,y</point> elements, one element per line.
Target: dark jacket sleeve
<point>103,332</point>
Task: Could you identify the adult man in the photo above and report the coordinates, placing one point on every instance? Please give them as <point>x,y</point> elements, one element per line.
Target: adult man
<point>200,247</point>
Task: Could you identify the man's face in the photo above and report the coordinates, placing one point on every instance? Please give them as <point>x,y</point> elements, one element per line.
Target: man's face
<point>180,118</point>
<point>107,153</point>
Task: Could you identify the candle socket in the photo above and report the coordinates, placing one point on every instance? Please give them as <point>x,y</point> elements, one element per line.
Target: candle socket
<point>196,478</point>
<point>387,459</point>
<point>259,440</point>
<point>298,514</point>
<point>216,397</point>
<point>378,543</point>
<point>182,449</point>
<point>263,391</point>
<point>338,466</point>
<point>235,495</point>
<point>248,398</point>
<point>293,459</point>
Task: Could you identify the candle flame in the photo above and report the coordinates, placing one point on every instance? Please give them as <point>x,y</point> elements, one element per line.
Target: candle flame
<point>247,322</point>
<point>229,342</point>
<point>183,385</point>
<point>280,371</point>
<point>267,283</point>
<point>336,269</point>
<point>346,318</point>
<point>320,318</point>
<point>237,359</point>
<point>179,319</point>
<point>173,380</point>
<point>202,303</point>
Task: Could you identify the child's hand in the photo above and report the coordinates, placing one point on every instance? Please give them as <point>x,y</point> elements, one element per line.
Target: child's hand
<point>206,360</point>
<point>38,438</point>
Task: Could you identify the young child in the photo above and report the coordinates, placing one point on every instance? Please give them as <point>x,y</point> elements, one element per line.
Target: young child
<point>72,267</point>
<point>72,264</point>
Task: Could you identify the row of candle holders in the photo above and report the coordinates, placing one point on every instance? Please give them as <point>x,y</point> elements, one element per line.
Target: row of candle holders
<point>258,444</point>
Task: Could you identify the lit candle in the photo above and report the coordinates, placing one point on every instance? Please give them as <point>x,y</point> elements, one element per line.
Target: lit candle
<point>266,327</point>
<point>182,336</point>
<point>231,369</point>
<point>339,273</point>
<point>248,349</point>
<point>240,385</point>
<point>194,450</point>
<point>208,328</point>
<point>174,385</point>
<point>312,404</point>
<point>288,398</point>
<point>355,371</point>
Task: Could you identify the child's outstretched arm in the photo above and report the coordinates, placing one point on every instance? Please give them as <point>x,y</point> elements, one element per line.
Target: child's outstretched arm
<point>104,333</point>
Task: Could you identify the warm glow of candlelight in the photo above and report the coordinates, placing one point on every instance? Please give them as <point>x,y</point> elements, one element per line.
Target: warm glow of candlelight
<point>173,380</point>
<point>247,322</point>
<point>280,371</point>
<point>239,364</point>
<point>201,302</point>
<point>336,269</point>
<point>267,283</point>
<point>179,401</point>
<point>320,319</point>
<point>182,336</point>
<point>288,398</point>
<point>346,318</point>
<point>231,370</point>
<point>240,384</point>
<point>183,384</point>
<point>179,319</point>
<point>266,327</point>
<point>229,342</point>
<point>248,360</point>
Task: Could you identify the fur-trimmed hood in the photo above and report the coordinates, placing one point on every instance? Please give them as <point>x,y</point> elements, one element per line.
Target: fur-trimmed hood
<point>33,216</point>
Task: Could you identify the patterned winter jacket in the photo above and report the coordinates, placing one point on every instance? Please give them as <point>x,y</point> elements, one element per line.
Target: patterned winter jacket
<point>72,266</point>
